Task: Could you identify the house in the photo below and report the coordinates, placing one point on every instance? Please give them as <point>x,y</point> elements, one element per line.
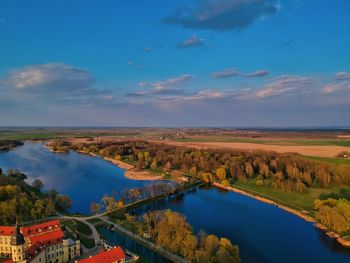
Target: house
<point>113,255</point>
<point>38,243</point>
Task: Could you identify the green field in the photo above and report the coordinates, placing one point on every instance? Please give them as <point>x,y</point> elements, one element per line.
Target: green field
<point>336,161</point>
<point>95,221</point>
<point>347,238</point>
<point>294,200</point>
<point>68,222</point>
<point>87,242</point>
<point>81,228</point>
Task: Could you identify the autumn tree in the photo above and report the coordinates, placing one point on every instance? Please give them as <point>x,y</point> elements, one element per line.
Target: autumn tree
<point>95,207</point>
<point>221,174</point>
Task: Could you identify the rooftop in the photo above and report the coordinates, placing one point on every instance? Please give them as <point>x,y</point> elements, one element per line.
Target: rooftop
<point>40,228</point>
<point>7,230</point>
<point>106,256</point>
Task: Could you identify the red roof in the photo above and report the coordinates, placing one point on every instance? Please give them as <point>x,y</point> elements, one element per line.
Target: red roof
<point>107,256</point>
<point>7,230</point>
<point>34,251</point>
<point>48,238</point>
<point>40,228</point>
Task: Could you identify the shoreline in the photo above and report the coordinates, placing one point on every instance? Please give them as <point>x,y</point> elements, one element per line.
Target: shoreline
<point>300,214</point>
<point>130,171</point>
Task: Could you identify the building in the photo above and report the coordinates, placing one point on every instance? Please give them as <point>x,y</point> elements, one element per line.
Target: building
<point>39,243</point>
<point>113,255</point>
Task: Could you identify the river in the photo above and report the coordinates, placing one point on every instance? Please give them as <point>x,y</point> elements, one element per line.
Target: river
<point>264,233</point>
<point>84,178</point>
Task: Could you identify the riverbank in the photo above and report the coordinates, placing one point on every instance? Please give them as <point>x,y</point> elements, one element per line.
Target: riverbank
<point>130,170</point>
<point>302,214</point>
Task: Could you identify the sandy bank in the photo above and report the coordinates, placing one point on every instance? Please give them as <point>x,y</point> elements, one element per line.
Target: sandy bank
<point>130,171</point>
<point>303,214</point>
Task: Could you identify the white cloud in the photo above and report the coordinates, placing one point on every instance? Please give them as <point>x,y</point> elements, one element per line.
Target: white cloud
<point>336,87</point>
<point>285,85</point>
<point>226,73</point>
<point>193,41</point>
<point>49,76</point>
<point>222,15</point>
<point>164,87</point>
<point>168,82</point>
<point>259,73</point>
<point>342,76</point>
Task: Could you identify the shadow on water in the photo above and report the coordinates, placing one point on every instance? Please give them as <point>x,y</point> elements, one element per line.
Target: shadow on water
<point>332,243</point>
<point>264,233</point>
<point>117,239</point>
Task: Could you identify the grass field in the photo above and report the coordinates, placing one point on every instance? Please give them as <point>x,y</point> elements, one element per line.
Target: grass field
<point>87,242</point>
<point>81,228</point>
<point>336,161</point>
<point>347,238</point>
<point>68,222</point>
<point>95,221</point>
<point>301,200</point>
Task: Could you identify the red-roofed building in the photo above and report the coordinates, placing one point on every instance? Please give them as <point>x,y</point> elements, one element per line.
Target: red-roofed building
<point>40,228</point>
<point>113,255</point>
<point>7,230</point>
<point>44,242</point>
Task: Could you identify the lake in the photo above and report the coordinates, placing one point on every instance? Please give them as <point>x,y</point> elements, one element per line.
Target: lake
<point>263,232</point>
<point>84,178</point>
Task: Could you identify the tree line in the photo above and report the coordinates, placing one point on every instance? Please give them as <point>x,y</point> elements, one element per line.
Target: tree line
<point>283,171</point>
<point>131,195</point>
<point>21,201</point>
<point>6,145</point>
<point>334,214</point>
<point>171,231</point>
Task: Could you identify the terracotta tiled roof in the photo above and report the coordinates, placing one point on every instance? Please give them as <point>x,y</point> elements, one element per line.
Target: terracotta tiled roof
<point>7,230</point>
<point>40,228</point>
<point>34,251</point>
<point>48,238</point>
<point>107,256</point>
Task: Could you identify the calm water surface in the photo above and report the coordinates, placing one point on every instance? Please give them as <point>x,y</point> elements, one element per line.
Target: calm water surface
<point>263,232</point>
<point>84,178</point>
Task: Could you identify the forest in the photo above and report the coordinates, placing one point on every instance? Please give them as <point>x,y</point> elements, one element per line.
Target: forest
<point>6,145</point>
<point>288,172</point>
<point>333,211</point>
<point>23,202</point>
<point>170,230</point>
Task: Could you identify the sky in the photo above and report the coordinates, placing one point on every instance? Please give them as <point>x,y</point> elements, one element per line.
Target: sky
<point>172,63</point>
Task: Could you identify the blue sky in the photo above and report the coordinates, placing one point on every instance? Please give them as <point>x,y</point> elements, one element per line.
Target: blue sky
<point>175,63</point>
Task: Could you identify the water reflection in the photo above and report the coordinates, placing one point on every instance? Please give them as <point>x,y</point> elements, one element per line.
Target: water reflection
<point>82,177</point>
<point>263,232</point>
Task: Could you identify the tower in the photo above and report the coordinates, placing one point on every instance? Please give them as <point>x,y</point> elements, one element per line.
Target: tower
<point>17,246</point>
